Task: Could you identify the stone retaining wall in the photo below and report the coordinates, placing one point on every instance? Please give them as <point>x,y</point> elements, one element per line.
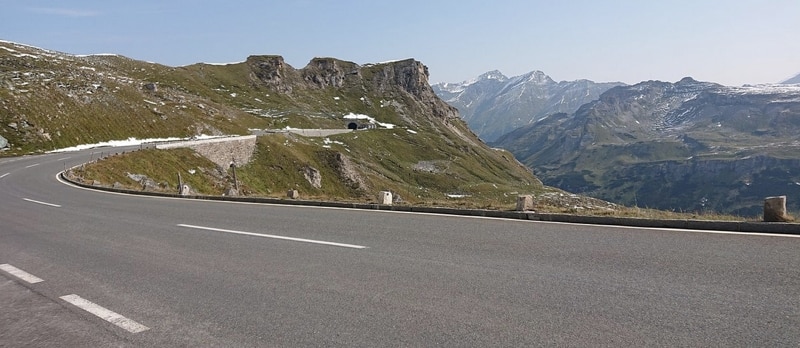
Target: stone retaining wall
<point>221,150</point>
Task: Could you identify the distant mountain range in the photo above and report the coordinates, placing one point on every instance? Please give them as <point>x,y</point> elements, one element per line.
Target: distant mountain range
<point>690,145</point>
<point>493,104</point>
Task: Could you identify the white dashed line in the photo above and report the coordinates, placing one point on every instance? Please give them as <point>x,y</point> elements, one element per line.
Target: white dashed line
<point>42,203</point>
<point>105,314</point>
<point>275,237</point>
<point>32,165</point>
<point>30,278</point>
<point>4,175</point>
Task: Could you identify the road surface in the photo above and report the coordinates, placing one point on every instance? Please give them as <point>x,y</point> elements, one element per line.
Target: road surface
<point>87,268</point>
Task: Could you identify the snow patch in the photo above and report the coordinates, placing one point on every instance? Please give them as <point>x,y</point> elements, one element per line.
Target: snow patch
<point>221,64</point>
<point>352,116</point>
<point>130,142</point>
<point>328,141</point>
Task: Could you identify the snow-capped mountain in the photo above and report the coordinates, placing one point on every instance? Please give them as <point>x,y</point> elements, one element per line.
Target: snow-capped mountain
<point>493,104</point>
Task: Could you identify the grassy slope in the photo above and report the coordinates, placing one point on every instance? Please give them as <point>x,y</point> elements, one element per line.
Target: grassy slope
<point>384,159</point>
<point>56,101</point>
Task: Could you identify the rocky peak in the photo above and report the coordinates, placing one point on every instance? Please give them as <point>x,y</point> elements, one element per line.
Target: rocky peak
<point>330,72</point>
<point>688,84</point>
<point>539,78</point>
<point>411,76</point>
<point>271,70</point>
<point>492,75</point>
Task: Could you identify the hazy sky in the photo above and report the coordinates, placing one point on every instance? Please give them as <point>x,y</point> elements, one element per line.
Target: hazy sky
<point>732,42</point>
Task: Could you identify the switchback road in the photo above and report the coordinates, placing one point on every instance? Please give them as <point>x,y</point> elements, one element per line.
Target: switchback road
<point>87,268</point>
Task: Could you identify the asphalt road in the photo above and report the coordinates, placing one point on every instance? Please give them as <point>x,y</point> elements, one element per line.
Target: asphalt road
<point>172,272</point>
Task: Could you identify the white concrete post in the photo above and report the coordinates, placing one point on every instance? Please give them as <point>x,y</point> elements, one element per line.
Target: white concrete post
<point>385,198</point>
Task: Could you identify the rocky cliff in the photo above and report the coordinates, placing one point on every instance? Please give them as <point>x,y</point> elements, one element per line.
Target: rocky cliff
<point>408,77</point>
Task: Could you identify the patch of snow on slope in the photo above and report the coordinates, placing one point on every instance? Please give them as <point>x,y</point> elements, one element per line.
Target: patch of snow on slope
<point>352,116</point>
<point>221,64</point>
<point>129,142</point>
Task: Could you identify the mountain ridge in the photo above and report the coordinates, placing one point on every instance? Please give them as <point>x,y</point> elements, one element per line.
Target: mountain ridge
<point>494,104</point>
<point>623,146</point>
<point>792,80</point>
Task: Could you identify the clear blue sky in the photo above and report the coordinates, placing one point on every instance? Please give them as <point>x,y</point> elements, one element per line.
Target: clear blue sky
<point>732,42</point>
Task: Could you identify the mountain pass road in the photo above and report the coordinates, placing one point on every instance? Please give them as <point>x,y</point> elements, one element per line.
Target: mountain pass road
<point>86,268</point>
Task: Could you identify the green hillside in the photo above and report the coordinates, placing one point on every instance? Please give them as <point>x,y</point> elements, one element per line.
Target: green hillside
<point>416,145</point>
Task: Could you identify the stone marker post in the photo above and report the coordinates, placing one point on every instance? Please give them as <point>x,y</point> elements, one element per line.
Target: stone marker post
<point>293,194</point>
<point>775,209</point>
<point>524,203</point>
<point>385,198</point>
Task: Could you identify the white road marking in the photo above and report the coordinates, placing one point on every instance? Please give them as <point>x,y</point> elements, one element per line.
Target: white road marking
<point>32,165</point>
<point>105,314</point>
<point>63,159</point>
<point>42,203</point>
<point>275,237</point>
<point>30,278</point>
<point>4,175</point>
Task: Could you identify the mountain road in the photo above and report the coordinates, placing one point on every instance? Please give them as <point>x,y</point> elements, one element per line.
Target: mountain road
<point>90,268</point>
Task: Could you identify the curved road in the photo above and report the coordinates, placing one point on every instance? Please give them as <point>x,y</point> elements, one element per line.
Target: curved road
<point>120,270</point>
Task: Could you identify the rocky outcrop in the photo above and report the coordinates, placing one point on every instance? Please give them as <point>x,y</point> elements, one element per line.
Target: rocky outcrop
<point>313,176</point>
<point>349,171</point>
<point>408,77</point>
<point>272,71</point>
<point>330,72</point>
